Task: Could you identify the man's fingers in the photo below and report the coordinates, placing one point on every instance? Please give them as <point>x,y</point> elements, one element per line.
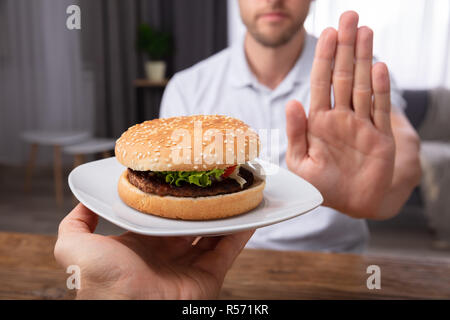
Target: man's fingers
<point>345,55</point>
<point>322,69</point>
<point>382,97</point>
<point>296,129</point>
<point>207,243</point>
<point>80,220</point>
<point>362,86</point>
<point>219,260</point>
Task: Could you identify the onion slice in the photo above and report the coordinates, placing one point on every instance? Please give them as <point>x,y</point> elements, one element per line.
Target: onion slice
<point>234,175</point>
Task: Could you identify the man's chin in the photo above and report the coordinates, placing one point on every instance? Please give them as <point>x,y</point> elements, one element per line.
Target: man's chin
<point>272,40</point>
<point>274,35</point>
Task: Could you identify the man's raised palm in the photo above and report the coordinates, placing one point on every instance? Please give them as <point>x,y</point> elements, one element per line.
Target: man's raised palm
<point>347,151</point>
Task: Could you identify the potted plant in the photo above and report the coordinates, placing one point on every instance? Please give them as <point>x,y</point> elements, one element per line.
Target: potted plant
<point>157,46</point>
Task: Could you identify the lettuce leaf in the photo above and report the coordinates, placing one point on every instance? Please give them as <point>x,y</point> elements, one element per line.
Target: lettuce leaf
<point>199,178</point>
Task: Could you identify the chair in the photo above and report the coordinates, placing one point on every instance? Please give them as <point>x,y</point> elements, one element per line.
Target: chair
<point>56,139</point>
<point>90,146</point>
<point>428,111</point>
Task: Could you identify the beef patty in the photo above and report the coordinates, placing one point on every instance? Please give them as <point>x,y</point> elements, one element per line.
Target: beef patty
<point>150,182</point>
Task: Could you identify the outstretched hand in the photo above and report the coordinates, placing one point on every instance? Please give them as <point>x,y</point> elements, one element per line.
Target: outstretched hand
<point>348,151</point>
<point>132,266</point>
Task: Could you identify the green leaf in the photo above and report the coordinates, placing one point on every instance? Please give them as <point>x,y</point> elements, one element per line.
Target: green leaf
<point>169,178</point>
<point>199,178</point>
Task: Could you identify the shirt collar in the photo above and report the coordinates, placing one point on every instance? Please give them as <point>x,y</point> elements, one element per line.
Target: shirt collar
<point>242,76</point>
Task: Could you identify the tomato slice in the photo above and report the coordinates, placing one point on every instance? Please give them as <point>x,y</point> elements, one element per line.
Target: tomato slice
<point>228,171</point>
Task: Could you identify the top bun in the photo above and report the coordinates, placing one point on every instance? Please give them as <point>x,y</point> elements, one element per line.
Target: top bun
<point>188,143</point>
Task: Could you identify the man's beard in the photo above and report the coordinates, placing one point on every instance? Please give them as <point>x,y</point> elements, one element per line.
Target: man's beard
<point>274,41</point>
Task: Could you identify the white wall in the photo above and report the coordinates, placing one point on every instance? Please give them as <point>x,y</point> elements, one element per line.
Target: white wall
<point>411,36</point>
<point>235,26</point>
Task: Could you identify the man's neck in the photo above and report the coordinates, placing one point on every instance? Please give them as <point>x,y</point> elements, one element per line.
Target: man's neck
<point>271,65</point>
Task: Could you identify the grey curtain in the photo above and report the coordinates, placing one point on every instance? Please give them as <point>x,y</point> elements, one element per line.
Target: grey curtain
<point>108,42</point>
<point>107,33</point>
<point>43,84</point>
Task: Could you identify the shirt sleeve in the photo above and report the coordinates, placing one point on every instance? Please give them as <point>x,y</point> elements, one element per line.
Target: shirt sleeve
<point>173,102</point>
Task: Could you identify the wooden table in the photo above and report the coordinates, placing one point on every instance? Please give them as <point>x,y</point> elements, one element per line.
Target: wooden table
<point>29,271</point>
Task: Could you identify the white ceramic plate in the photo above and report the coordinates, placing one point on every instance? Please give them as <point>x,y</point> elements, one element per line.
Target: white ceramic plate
<point>285,196</point>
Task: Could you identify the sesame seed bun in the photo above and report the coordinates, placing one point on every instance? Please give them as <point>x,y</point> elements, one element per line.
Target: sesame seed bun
<point>188,143</point>
<point>187,208</point>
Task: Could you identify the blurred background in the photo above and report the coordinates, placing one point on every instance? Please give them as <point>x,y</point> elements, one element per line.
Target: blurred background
<point>67,95</point>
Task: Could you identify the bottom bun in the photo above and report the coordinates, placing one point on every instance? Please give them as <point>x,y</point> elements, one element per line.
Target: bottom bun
<point>187,208</point>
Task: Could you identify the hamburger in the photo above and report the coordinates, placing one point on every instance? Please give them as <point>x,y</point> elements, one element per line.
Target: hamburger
<point>190,167</point>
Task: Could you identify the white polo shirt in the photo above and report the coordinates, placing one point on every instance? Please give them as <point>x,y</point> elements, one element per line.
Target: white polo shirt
<point>224,84</point>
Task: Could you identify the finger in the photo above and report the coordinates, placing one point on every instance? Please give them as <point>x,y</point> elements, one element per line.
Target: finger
<point>382,97</point>
<point>296,129</point>
<point>321,70</point>
<point>219,260</point>
<point>196,240</point>
<point>80,220</point>
<point>345,55</point>
<point>178,243</point>
<point>362,87</point>
<point>152,247</point>
<point>208,243</point>
<point>184,252</point>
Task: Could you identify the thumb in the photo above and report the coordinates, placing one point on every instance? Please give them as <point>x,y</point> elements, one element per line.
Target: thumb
<point>80,220</point>
<point>220,259</point>
<point>296,129</point>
